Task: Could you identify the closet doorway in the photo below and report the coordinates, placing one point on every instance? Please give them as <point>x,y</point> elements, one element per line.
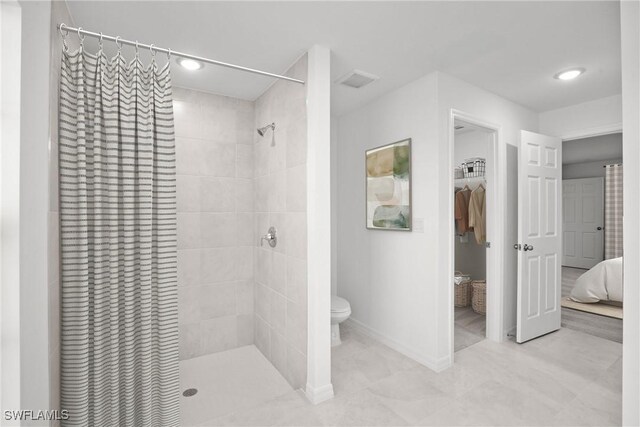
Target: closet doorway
<point>473,158</point>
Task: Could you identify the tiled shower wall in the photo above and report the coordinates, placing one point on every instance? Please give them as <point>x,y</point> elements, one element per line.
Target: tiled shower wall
<point>214,159</point>
<point>281,201</point>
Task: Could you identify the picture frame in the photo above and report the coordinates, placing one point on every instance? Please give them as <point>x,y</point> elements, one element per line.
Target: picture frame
<point>388,187</point>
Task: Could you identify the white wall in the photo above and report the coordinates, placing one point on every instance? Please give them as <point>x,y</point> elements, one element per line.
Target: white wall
<point>390,277</point>
<point>34,189</point>
<point>601,115</point>
<point>10,50</point>
<point>630,23</point>
<point>334,205</point>
<point>397,282</point>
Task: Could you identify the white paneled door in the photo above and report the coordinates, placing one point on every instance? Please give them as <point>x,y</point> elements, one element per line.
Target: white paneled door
<point>582,222</point>
<point>539,235</point>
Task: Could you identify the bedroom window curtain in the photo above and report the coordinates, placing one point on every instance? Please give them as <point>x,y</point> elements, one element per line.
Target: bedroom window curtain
<point>613,212</point>
<point>119,314</point>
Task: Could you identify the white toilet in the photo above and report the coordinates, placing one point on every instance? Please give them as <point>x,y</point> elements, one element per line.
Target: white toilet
<point>340,311</point>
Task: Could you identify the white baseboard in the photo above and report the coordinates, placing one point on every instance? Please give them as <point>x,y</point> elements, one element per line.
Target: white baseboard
<point>319,394</point>
<point>435,365</point>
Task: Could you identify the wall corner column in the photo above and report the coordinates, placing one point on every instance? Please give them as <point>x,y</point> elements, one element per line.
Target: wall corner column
<point>319,387</point>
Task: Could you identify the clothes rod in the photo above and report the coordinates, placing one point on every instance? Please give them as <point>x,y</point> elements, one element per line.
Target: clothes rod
<point>62,27</point>
<point>612,164</point>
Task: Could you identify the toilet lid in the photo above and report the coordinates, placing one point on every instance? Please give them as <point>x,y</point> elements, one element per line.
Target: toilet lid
<point>339,305</point>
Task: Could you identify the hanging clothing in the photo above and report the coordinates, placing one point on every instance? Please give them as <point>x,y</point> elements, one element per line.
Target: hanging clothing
<point>478,213</point>
<point>462,210</point>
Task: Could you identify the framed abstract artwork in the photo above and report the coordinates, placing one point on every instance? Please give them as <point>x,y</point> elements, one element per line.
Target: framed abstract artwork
<point>389,186</point>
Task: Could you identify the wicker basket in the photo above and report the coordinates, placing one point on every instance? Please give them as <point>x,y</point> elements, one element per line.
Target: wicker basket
<point>479,296</point>
<point>474,167</point>
<point>462,284</point>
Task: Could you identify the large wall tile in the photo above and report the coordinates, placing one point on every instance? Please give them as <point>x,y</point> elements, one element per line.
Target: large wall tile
<point>218,230</point>
<point>219,334</point>
<point>297,189</point>
<point>296,368</point>
<point>297,326</point>
<point>189,267</point>
<point>297,280</point>
<point>189,336</point>
<point>216,300</point>
<point>244,195</point>
<point>277,151</point>
<point>245,297</point>
<point>281,201</point>
<point>278,315</point>
<point>261,194</point>
<point>297,144</point>
<point>244,262</point>
<point>244,161</point>
<point>219,159</point>
<point>278,351</point>
<point>245,228</point>
<point>264,265</point>
<point>263,302</point>
<point>217,194</point>
<point>297,235</point>
<point>188,230</point>
<point>188,193</point>
<point>245,329</point>
<point>190,159</point>
<point>278,278</point>
<point>262,335</point>
<point>219,123</point>
<point>218,265</point>
<point>277,191</point>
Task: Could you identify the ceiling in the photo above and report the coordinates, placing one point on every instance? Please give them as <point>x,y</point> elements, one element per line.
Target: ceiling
<point>512,49</point>
<point>605,147</point>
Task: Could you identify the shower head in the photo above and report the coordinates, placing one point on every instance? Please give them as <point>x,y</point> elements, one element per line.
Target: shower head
<point>264,129</point>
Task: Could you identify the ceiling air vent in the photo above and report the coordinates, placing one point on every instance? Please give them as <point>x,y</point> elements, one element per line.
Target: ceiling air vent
<point>357,79</point>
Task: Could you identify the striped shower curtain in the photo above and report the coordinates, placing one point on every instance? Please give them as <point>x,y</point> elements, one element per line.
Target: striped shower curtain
<point>119,337</point>
<point>613,212</point>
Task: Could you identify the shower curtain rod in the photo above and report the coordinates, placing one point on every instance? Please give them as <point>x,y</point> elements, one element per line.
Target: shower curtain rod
<point>62,27</point>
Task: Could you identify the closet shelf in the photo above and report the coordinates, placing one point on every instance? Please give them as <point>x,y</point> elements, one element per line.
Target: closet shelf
<point>471,179</point>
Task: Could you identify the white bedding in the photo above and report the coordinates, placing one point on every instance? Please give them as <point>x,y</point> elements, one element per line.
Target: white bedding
<point>602,283</point>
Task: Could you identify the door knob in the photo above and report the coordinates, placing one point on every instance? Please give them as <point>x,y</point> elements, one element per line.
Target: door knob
<point>599,228</point>
<point>527,247</point>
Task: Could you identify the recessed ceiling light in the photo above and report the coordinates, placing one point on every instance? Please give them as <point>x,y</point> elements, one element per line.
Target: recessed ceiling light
<point>569,74</point>
<point>189,64</point>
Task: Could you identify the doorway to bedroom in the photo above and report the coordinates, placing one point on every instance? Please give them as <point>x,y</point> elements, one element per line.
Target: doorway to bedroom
<point>592,169</point>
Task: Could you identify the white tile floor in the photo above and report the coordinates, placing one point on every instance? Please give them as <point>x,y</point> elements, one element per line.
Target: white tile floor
<point>567,378</point>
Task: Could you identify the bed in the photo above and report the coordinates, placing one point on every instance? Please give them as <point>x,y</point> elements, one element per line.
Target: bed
<point>602,283</point>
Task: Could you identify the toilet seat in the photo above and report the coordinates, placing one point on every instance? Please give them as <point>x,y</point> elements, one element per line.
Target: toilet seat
<point>339,305</point>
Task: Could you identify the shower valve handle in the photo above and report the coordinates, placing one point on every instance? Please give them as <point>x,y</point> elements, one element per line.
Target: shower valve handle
<point>270,237</point>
